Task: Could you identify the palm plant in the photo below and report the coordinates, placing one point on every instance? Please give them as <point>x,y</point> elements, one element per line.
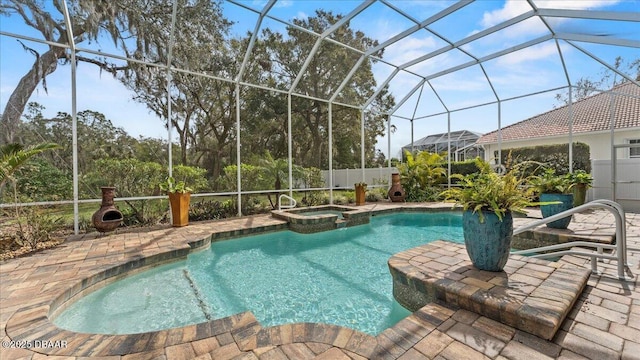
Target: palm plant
<point>14,156</point>
<point>276,171</point>
<point>420,174</point>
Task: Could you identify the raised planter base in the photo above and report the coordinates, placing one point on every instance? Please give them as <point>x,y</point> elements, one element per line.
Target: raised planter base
<point>532,295</point>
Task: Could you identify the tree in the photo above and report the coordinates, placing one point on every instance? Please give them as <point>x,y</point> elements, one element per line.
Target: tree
<point>284,57</point>
<point>587,86</point>
<point>98,138</point>
<point>139,27</point>
<point>203,108</point>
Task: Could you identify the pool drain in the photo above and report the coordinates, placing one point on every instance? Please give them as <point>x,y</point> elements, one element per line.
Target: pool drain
<point>203,306</point>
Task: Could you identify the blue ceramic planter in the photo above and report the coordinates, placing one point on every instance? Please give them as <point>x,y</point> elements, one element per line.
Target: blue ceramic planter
<point>565,203</point>
<point>488,243</point>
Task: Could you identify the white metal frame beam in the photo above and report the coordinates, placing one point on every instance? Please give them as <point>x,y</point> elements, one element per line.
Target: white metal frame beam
<point>398,37</point>
<point>595,39</point>
<point>360,8</point>
<point>590,14</point>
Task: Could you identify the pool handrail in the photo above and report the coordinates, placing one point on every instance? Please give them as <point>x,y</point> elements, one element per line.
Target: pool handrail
<point>621,237</point>
<point>292,202</point>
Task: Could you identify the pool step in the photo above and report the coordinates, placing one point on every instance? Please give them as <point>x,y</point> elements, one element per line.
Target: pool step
<point>532,295</point>
<point>341,223</point>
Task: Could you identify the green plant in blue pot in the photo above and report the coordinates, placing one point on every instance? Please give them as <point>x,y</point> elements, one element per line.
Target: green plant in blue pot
<point>489,200</point>
<point>555,196</point>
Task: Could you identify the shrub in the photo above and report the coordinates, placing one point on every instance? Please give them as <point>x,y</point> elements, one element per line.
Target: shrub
<point>375,195</point>
<point>314,198</point>
<point>345,198</point>
<point>131,177</point>
<point>426,194</point>
<point>421,175</point>
<point>553,156</point>
<point>250,177</point>
<point>313,177</point>
<point>209,210</point>
<point>194,177</point>
<point>35,227</point>
<point>41,181</point>
<point>143,212</point>
<point>464,167</point>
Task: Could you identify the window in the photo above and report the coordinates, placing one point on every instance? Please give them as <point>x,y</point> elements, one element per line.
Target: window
<point>634,152</point>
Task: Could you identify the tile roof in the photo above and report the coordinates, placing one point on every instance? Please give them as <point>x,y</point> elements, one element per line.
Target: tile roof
<point>591,114</point>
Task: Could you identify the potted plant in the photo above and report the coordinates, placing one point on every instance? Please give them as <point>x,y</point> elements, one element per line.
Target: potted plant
<point>580,181</point>
<point>179,198</point>
<point>488,201</point>
<point>361,189</point>
<point>555,196</point>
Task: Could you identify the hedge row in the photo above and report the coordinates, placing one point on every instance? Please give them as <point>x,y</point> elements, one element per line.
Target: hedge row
<point>553,156</point>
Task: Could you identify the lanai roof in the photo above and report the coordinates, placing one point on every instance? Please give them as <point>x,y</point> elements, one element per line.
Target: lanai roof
<point>590,114</point>
<point>460,135</point>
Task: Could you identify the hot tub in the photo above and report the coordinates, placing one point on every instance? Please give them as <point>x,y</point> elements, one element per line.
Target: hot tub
<point>322,218</point>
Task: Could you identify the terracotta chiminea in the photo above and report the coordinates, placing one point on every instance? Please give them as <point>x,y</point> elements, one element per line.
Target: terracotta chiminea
<point>396,192</point>
<point>108,217</point>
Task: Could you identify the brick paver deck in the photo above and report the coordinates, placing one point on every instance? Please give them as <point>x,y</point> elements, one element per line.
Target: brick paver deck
<point>603,324</point>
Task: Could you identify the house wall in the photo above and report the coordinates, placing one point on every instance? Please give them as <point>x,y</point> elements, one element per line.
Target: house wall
<point>599,143</point>
<point>627,169</point>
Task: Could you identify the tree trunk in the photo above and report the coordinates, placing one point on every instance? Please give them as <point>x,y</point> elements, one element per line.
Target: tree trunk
<point>44,65</point>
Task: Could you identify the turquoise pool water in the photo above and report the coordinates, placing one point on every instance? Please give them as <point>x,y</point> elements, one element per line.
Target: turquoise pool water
<point>338,277</point>
<point>322,212</point>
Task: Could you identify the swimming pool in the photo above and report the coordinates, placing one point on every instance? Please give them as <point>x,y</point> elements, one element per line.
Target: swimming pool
<point>338,277</point>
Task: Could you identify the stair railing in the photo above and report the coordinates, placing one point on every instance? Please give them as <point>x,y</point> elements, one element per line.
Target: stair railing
<point>292,202</point>
<point>621,238</point>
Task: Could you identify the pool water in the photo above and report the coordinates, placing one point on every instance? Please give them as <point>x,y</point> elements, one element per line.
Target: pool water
<point>322,212</point>
<point>338,277</point>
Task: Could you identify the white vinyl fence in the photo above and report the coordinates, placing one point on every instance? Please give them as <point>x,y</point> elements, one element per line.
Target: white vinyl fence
<point>627,182</point>
<point>345,178</point>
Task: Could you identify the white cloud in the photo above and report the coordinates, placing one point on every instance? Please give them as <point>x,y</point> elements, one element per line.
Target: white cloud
<point>531,27</point>
<point>514,8</point>
<point>574,4</point>
<point>532,53</point>
<point>409,48</point>
<point>382,29</point>
<point>511,9</point>
<point>284,3</point>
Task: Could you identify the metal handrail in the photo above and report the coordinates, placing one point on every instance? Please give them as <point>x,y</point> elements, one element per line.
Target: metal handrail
<point>621,237</point>
<point>292,202</point>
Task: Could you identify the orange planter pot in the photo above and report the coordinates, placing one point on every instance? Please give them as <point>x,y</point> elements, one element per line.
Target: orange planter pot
<point>180,208</point>
<point>360,195</point>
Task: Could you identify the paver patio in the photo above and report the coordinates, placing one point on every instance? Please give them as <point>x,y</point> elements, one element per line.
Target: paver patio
<point>603,324</point>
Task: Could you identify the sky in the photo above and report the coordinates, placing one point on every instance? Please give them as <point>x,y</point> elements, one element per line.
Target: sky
<point>534,69</point>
